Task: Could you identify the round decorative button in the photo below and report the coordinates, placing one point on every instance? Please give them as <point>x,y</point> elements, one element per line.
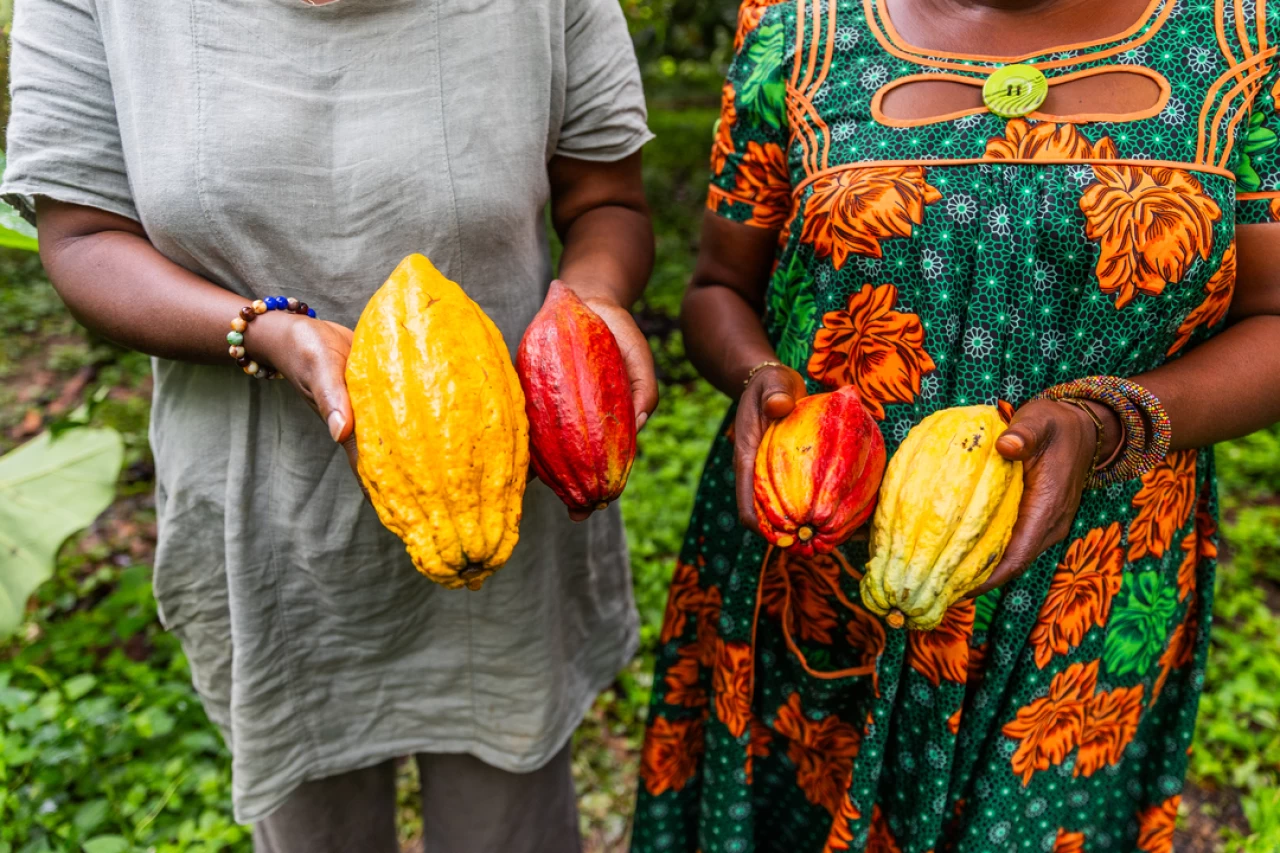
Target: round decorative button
<point>1015,90</point>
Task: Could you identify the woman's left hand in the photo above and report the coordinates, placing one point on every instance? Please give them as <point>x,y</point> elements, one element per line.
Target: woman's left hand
<point>1055,442</point>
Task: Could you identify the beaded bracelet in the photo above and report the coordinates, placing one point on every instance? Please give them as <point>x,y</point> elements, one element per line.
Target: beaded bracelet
<point>247,315</point>
<point>1137,409</point>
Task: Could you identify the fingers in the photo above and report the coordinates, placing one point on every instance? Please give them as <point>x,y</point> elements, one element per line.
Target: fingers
<point>1030,538</point>
<point>772,394</point>
<point>1031,430</point>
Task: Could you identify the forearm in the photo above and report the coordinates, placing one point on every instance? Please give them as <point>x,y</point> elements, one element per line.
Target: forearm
<point>117,284</point>
<point>608,254</point>
<point>723,336</point>
<point>1224,388</point>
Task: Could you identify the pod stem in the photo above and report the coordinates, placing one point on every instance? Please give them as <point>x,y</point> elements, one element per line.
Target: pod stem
<point>896,618</point>
<point>805,533</point>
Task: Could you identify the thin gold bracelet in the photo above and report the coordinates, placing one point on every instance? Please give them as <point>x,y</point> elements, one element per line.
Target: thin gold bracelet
<point>1100,430</point>
<point>759,367</point>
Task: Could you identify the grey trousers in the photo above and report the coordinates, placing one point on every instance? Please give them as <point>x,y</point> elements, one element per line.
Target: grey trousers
<point>467,807</point>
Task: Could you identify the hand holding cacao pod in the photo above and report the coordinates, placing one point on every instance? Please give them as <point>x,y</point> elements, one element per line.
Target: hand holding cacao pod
<point>817,471</point>
<point>947,509</point>
<point>440,422</point>
<point>582,423</point>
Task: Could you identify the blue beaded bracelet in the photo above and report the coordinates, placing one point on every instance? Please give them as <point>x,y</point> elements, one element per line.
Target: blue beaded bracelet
<point>235,338</point>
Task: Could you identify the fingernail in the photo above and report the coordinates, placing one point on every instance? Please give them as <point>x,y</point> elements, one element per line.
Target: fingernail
<point>337,423</point>
<point>640,420</point>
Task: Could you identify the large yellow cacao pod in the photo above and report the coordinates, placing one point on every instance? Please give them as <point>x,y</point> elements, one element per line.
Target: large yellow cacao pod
<point>440,425</point>
<point>947,507</point>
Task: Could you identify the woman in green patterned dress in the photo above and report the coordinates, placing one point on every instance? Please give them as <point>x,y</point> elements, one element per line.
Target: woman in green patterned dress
<point>873,222</point>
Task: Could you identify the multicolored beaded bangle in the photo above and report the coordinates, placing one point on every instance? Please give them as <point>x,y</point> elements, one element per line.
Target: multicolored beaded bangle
<point>249,313</point>
<point>1146,430</point>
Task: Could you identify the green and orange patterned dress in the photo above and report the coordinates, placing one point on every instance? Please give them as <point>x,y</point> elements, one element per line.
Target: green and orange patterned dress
<point>943,262</point>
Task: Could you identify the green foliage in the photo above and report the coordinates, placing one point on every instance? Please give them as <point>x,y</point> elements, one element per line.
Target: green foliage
<point>15,232</point>
<point>49,489</point>
<point>104,745</point>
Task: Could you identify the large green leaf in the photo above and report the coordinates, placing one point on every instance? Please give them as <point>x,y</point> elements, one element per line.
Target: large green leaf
<point>49,489</point>
<point>15,232</point>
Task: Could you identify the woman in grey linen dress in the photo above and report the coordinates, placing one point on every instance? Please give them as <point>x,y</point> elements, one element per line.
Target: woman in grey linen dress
<point>182,157</point>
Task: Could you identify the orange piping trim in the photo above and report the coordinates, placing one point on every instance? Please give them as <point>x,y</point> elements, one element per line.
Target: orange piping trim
<point>815,33</point>
<point>1219,29</point>
<point>806,117</point>
<point>898,40</point>
<point>830,47</point>
<point>1242,32</point>
<point>795,66</point>
<point>802,131</point>
<point>1230,73</point>
<point>1046,161</point>
<point>865,669</point>
<point>1256,196</point>
<point>1243,86</point>
<point>922,59</point>
<point>877,111</point>
<point>1251,86</point>
<point>1261,14</point>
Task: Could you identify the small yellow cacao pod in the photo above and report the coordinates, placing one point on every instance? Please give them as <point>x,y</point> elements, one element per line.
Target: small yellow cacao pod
<point>947,507</point>
<point>440,424</point>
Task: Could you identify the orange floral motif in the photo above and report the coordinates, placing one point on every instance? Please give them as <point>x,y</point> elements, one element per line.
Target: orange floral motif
<point>841,835</point>
<point>880,839</point>
<point>1274,209</point>
<point>1198,546</point>
<point>1156,825</point>
<point>722,148</point>
<point>813,617</point>
<point>1023,140</point>
<point>749,15</point>
<point>731,683</point>
<point>708,628</point>
<point>717,197</point>
<point>822,752</point>
<point>758,745</point>
<point>866,634</point>
<point>874,347</point>
<point>1181,649</point>
<point>1080,596</point>
<point>1150,224</point>
<point>1069,842</point>
<point>943,653</point>
<point>683,600</point>
<point>1217,299</point>
<point>1164,502</point>
<point>977,657</point>
<point>763,179</point>
<point>1110,722</point>
<point>852,210</point>
<point>670,755</point>
<point>684,687</point>
<point>953,722</point>
<point>1049,728</point>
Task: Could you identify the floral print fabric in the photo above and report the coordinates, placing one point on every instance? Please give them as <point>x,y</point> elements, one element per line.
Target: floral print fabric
<point>959,261</point>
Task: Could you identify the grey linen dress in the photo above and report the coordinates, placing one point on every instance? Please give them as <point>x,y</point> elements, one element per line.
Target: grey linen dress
<point>279,148</point>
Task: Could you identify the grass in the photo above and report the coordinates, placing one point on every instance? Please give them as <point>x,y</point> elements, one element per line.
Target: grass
<point>104,746</point>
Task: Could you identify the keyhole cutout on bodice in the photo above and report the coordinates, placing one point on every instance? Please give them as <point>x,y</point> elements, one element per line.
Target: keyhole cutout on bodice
<point>1114,93</point>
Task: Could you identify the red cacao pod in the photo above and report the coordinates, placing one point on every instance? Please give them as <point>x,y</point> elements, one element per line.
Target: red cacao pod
<point>582,424</point>
<point>817,473</point>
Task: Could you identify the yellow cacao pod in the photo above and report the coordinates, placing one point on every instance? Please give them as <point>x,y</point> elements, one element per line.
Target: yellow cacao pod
<point>947,507</point>
<point>440,425</point>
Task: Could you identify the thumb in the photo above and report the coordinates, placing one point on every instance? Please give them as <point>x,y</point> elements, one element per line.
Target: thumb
<point>780,390</point>
<point>1029,431</point>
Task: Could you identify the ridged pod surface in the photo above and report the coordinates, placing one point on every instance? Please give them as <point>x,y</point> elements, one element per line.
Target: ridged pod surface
<point>947,508</point>
<point>440,424</point>
<point>582,423</point>
<point>817,472</point>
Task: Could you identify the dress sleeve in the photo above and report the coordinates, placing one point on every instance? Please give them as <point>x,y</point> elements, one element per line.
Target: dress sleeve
<point>63,139</point>
<point>604,110</point>
<point>1257,166</point>
<point>750,177</point>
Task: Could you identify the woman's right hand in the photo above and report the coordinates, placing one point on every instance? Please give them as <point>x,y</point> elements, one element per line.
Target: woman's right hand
<point>770,395</point>
<point>312,354</point>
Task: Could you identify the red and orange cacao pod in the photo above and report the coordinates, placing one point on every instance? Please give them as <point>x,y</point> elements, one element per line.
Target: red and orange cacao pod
<point>582,424</point>
<point>817,473</point>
